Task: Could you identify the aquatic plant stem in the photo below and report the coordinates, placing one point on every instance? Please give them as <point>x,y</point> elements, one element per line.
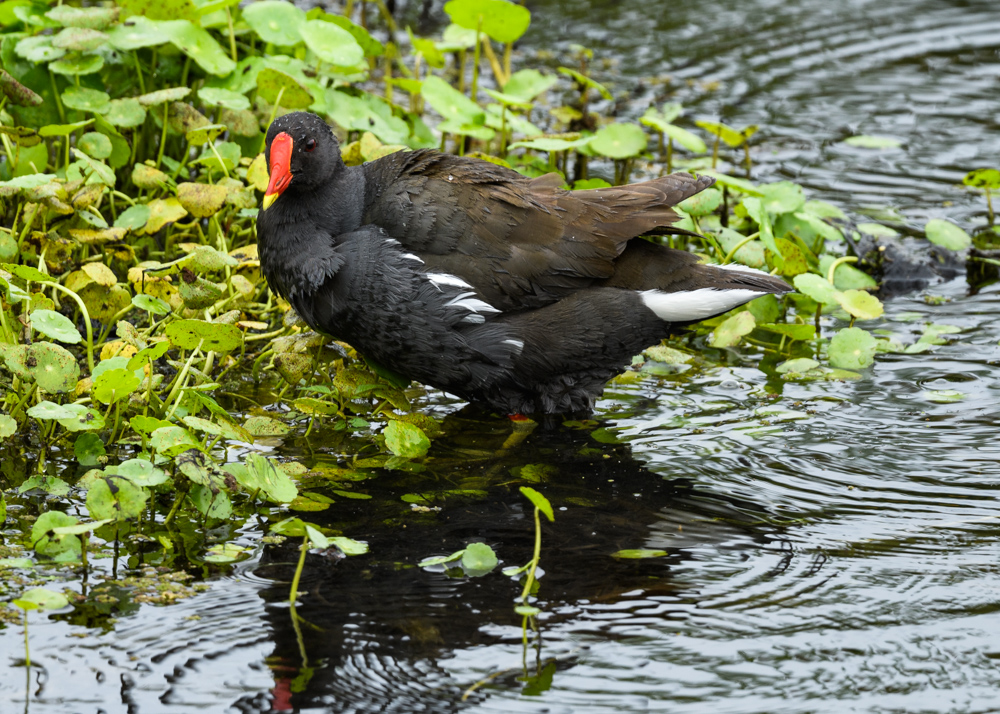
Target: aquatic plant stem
<point>534,558</point>
<point>163,135</point>
<point>292,596</point>
<point>730,254</point>
<point>86,321</point>
<point>836,264</point>
<point>475,60</point>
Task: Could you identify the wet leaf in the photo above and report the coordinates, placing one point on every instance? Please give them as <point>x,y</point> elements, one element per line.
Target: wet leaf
<point>732,329</point>
<point>200,46</point>
<point>41,599</point>
<point>261,475</point>
<point>163,211</point>
<point>77,66</point>
<point>450,103</point>
<point>782,197</point>
<point>619,141</point>
<point>172,440</point>
<point>53,367</point>
<point>944,396</point>
<point>816,287</point>
<point>55,325</point>
<point>638,554</point>
<point>406,440</point>
<point>860,304</point>
<point>271,83</point>
<point>947,235</point>
<point>115,498</point>
<point>983,178</point>
<point>331,43</point>
<point>865,141</point>
<point>791,331</point>
<point>479,559</point>
<point>526,84</point>
<point>799,365</point>
<point>349,546</point>
<point>500,20</point>
<point>210,336</point>
<point>163,96</point>
<point>95,18</point>
<point>265,426</point>
<point>852,348</point>
<point>79,38</point>
<point>8,427</point>
<point>538,501</point>
<point>275,21</point>
<point>114,385</point>
<point>728,134</point>
<point>200,199</point>
<point>702,203</point>
<point>226,98</point>
<point>96,145</point>
<point>132,218</point>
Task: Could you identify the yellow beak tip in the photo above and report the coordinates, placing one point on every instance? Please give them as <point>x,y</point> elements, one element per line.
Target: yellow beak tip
<point>269,199</point>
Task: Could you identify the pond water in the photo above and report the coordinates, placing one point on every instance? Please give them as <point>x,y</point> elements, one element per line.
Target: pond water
<point>829,546</point>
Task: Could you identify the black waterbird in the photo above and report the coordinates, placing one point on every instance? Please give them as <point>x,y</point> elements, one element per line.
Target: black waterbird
<point>469,277</point>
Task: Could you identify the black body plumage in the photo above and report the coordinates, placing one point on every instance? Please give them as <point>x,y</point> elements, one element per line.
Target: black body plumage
<point>471,278</point>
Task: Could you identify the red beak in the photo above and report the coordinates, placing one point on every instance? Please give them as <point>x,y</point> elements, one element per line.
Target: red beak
<point>281,168</point>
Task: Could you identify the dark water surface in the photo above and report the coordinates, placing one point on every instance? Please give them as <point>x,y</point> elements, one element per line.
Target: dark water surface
<point>834,549</point>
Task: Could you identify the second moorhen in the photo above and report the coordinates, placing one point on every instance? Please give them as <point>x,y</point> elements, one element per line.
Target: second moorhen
<point>469,277</point>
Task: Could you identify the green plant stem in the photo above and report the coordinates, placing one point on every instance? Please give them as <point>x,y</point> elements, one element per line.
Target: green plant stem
<point>989,204</point>
<point>232,35</point>
<point>138,70</point>
<point>163,135</point>
<point>86,322</point>
<point>55,94</point>
<point>836,264</point>
<point>730,254</point>
<point>27,653</point>
<point>293,594</point>
<point>534,558</point>
<point>176,507</point>
<point>180,379</point>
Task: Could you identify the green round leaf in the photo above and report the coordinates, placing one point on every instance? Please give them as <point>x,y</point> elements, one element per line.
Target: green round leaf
<point>74,66</point>
<point>860,304</point>
<point>501,20</point>
<point>225,98</point>
<point>816,287</point>
<point>133,218</point>
<point>702,203</point>
<point>86,100</point>
<point>450,103</point>
<point>126,113</point>
<point>115,498</point>
<point>95,145</point>
<point>55,325</point>
<point>162,96</point>
<point>479,559</point>
<point>638,554</point>
<point>275,21</point>
<point>539,501</point>
<point>947,235</point>
<point>732,329</point>
<point>88,449</point>
<point>271,84</point>
<point>96,18</point>
<point>983,178</point>
<point>261,475</point>
<point>200,46</point>
<point>852,348</point>
<point>406,440</point>
<point>619,141</point>
<point>332,43</point>
<point>79,38</point>
<point>114,385</point>
<point>41,599</point>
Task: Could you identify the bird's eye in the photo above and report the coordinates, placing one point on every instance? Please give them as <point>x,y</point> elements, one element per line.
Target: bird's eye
<point>310,144</point>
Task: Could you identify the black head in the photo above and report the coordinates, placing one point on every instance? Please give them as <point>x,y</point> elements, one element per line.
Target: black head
<point>301,152</point>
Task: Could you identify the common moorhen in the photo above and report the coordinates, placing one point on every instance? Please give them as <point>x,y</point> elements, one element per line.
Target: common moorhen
<point>469,277</point>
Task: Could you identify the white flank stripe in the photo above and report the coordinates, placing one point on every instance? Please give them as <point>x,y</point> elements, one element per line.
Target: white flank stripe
<point>440,279</point>
<point>695,304</point>
<point>411,256</point>
<point>743,269</point>
<point>517,343</point>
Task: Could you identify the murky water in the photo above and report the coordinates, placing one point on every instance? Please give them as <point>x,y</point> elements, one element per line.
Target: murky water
<point>832,549</point>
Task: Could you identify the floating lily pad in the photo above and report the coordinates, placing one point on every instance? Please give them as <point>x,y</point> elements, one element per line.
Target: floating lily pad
<point>852,348</point>
<point>115,498</point>
<point>860,304</point>
<point>947,235</point>
<point>865,141</point>
<point>406,440</point>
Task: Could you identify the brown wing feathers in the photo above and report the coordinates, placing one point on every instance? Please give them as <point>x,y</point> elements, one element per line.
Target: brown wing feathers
<point>533,242</point>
